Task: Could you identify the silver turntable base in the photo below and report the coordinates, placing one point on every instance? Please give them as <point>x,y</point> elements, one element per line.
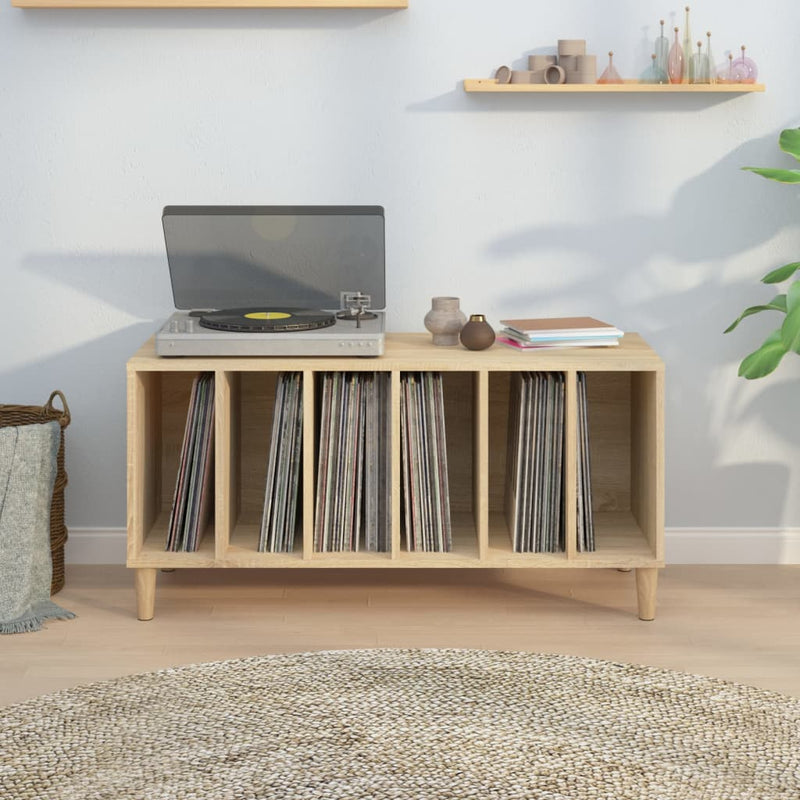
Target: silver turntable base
<point>182,335</point>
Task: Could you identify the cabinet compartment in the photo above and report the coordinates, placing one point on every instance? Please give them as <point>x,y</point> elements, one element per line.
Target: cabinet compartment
<point>458,390</point>
<point>500,423</point>
<point>626,451</point>
<point>352,466</point>
<point>158,406</point>
<point>247,436</point>
<point>626,442</point>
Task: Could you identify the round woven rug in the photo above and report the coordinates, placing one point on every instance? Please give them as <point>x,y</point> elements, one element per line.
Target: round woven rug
<point>427,724</point>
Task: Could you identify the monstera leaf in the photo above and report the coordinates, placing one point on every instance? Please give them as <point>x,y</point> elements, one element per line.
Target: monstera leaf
<point>790,143</point>
<point>786,338</point>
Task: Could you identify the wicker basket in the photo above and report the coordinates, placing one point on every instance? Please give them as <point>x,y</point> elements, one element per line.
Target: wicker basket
<point>29,415</point>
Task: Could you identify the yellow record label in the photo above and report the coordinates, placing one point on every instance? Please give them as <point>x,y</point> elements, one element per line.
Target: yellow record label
<point>268,315</point>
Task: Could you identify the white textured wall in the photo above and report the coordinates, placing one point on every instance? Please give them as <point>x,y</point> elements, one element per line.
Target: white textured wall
<point>630,208</point>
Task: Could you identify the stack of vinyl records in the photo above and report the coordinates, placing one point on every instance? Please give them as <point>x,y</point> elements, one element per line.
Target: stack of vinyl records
<point>283,467</point>
<point>193,490</point>
<point>426,494</point>
<point>377,476</point>
<point>585,517</point>
<point>353,472</point>
<point>534,493</point>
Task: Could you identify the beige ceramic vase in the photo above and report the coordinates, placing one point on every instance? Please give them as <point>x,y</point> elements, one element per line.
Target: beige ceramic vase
<point>445,320</point>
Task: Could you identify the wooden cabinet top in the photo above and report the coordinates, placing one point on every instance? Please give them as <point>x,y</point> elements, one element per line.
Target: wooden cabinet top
<point>416,352</point>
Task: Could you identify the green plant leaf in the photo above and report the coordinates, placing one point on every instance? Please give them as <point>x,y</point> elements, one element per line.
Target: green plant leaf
<point>780,175</point>
<point>764,360</point>
<point>778,303</point>
<point>790,330</point>
<point>781,274</point>
<point>793,296</point>
<point>790,142</point>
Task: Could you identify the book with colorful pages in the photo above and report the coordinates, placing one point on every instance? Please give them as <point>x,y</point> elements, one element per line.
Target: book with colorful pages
<point>523,344</point>
<point>561,327</point>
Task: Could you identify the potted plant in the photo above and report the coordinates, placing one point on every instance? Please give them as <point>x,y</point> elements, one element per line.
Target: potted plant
<point>785,338</point>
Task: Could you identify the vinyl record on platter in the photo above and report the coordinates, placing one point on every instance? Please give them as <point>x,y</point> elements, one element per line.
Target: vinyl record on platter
<point>266,320</point>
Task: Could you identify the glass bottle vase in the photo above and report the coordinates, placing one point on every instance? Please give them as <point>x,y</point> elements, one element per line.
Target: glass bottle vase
<point>744,69</point>
<point>688,47</point>
<point>654,74</point>
<point>712,67</point>
<point>675,61</point>
<point>699,65</point>
<point>661,50</point>
<point>610,74</point>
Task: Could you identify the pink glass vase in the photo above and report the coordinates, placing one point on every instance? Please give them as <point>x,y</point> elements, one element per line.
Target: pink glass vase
<point>675,61</point>
<point>744,69</point>
<point>610,74</point>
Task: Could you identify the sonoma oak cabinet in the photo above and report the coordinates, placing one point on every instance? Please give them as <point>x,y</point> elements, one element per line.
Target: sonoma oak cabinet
<point>625,390</point>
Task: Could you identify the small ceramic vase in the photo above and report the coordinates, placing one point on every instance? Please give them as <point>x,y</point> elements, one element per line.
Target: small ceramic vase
<point>445,320</point>
<point>477,334</point>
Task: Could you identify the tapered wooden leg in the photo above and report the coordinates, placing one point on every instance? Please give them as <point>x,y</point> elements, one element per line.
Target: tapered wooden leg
<point>145,580</point>
<point>646,585</point>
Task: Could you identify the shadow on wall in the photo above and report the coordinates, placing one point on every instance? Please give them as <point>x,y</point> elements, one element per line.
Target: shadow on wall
<point>683,310</point>
<point>480,102</point>
<point>138,285</point>
<point>92,375</point>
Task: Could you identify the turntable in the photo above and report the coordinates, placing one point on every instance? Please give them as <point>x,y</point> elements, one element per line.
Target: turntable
<point>275,281</point>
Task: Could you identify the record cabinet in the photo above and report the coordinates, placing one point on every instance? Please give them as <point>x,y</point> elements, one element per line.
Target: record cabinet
<point>625,409</point>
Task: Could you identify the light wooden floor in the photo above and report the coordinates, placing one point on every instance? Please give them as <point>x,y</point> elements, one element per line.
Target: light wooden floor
<point>738,623</point>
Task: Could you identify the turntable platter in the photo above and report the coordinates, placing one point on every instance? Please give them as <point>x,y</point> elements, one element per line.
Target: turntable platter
<point>267,320</point>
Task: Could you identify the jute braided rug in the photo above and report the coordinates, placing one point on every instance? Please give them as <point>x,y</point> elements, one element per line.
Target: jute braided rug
<point>428,724</point>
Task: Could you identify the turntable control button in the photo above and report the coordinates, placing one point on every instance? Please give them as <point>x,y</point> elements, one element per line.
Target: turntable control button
<point>188,326</point>
<point>174,326</point>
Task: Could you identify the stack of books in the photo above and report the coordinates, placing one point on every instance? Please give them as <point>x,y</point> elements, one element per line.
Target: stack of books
<point>528,334</point>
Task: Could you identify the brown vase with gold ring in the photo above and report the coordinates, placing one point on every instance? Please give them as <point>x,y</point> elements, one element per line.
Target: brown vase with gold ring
<point>477,334</point>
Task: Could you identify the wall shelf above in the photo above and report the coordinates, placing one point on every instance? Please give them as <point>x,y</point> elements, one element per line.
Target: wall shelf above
<point>491,85</point>
<point>210,3</point>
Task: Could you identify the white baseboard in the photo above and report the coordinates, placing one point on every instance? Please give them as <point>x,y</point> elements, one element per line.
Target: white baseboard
<point>683,546</point>
<point>732,545</point>
<point>96,546</point>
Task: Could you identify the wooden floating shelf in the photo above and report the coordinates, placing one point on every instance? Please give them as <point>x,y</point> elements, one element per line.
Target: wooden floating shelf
<point>210,3</point>
<point>491,85</point>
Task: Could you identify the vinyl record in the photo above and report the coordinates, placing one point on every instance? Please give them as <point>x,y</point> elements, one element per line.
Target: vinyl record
<point>266,320</point>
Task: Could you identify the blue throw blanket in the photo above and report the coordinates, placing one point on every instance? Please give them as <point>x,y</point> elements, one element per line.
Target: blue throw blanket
<point>27,474</point>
